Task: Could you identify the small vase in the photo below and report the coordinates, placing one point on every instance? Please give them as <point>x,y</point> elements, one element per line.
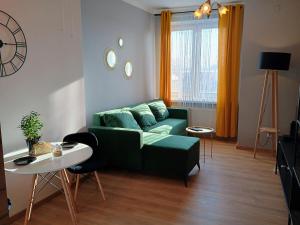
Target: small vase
<point>30,143</point>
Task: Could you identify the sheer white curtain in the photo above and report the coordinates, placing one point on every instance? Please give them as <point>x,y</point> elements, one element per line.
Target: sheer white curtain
<point>194,61</point>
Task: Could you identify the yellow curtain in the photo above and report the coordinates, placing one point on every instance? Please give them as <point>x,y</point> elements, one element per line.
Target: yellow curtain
<point>230,36</point>
<point>165,58</point>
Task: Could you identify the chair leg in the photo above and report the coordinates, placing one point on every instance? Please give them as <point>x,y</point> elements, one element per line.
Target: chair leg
<point>76,187</point>
<point>99,184</point>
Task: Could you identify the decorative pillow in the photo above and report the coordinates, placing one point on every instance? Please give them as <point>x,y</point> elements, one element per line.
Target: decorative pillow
<point>159,110</point>
<point>123,119</point>
<point>143,115</point>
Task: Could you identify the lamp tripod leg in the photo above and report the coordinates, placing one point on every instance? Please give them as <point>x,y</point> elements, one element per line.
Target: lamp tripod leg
<point>261,111</point>
<point>275,110</point>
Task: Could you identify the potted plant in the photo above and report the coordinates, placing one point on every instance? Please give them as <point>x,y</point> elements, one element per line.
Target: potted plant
<point>31,125</point>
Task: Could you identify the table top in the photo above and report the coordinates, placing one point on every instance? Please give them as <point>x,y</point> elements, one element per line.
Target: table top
<point>200,130</point>
<point>47,163</point>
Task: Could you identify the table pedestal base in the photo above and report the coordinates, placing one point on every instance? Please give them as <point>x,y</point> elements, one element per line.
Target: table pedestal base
<point>47,179</point>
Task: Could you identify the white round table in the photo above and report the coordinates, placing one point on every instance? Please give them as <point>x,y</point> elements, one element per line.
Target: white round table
<point>200,131</point>
<point>46,167</point>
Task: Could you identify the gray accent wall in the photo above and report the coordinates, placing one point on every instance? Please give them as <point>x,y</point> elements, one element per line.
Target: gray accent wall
<point>103,22</point>
<point>268,26</point>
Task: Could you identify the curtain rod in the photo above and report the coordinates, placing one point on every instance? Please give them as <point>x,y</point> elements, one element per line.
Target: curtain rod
<point>159,14</point>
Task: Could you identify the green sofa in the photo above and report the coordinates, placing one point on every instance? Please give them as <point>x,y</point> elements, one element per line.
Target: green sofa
<point>162,148</point>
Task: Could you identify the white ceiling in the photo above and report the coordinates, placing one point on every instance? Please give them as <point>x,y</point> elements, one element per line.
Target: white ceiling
<point>155,6</point>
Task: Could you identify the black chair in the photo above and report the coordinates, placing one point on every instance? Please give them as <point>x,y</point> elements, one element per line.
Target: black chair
<point>92,165</point>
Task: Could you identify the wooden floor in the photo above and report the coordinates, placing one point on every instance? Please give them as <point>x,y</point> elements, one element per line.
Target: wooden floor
<point>231,189</point>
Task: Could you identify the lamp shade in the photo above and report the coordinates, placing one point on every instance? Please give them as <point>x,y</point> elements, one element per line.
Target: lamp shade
<point>275,61</point>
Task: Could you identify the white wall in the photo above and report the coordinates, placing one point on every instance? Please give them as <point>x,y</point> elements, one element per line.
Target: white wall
<point>50,81</point>
<point>103,23</point>
<point>269,25</point>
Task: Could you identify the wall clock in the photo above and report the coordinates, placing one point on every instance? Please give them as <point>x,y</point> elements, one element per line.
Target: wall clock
<point>13,47</point>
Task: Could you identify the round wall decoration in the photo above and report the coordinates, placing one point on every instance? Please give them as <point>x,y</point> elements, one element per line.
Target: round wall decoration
<point>13,47</point>
<point>128,69</point>
<point>121,42</point>
<point>111,59</point>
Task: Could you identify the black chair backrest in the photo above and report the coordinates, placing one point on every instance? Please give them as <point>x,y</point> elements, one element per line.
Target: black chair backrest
<point>85,138</point>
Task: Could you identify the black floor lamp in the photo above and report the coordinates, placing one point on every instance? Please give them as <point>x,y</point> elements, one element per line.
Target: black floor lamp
<point>272,62</point>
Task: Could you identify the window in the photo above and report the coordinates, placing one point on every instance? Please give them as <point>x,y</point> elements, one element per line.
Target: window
<point>194,61</point>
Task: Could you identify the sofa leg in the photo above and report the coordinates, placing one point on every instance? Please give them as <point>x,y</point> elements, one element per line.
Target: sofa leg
<point>186,180</point>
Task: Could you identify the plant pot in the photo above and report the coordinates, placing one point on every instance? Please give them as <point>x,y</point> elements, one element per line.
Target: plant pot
<point>30,143</point>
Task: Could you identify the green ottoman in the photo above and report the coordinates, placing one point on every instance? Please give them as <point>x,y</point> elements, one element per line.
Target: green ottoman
<point>170,155</point>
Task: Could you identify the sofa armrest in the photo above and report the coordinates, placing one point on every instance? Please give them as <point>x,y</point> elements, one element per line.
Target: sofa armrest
<point>121,147</point>
<point>178,113</point>
<point>118,135</point>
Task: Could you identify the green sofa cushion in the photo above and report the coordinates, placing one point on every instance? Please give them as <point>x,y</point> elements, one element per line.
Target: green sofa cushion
<point>181,143</point>
<point>123,119</point>
<point>168,126</point>
<point>98,118</point>
<point>143,115</point>
<point>159,110</point>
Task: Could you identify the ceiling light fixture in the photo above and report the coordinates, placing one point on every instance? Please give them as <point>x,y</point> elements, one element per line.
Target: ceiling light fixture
<point>206,8</point>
